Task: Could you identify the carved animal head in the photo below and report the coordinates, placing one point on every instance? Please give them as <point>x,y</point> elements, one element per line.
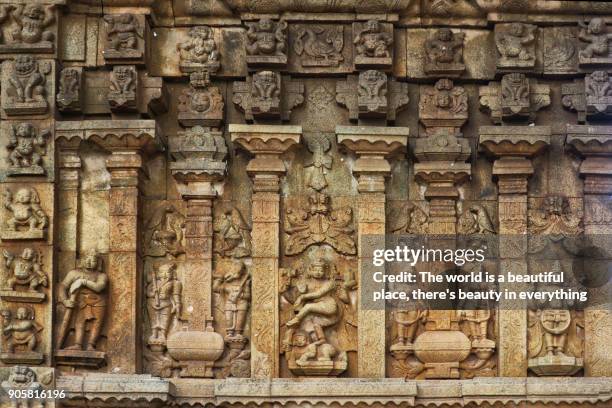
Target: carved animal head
<point>70,75</point>
<point>123,73</point>
<point>600,76</point>
<point>25,65</point>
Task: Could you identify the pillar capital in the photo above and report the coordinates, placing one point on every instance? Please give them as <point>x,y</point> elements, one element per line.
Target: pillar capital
<point>594,145</point>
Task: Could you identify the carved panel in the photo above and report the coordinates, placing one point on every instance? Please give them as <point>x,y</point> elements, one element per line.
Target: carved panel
<point>320,48</point>
<point>28,28</point>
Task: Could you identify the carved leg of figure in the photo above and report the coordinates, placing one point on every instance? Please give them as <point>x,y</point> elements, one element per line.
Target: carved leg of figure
<point>309,354</point>
<point>36,159</point>
<point>96,327</point>
<point>410,332</point>
<point>32,343</point>
<point>15,158</point>
<point>10,283</point>
<point>33,223</point>
<point>18,89</point>
<point>230,323</point>
<point>11,224</point>
<point>79,334</point>
<point>10,346</point>
<point>240,321</point>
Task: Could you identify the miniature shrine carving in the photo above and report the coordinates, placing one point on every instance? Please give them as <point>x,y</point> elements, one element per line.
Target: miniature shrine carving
<point>444,53</point>
<point>23,270</point>
<point>199,52</point>
<point>25,217</point>
<point>27,146</point>
<point>267,43</point>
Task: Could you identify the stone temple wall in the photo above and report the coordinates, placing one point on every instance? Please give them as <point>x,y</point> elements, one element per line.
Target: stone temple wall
<point>187,186</point>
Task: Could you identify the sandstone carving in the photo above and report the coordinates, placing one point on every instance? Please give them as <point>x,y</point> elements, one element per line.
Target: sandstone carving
<point>201,104</point>
<point>517,98</point>
<point>123,84</point>
<point>164,303</point>
<point>319,46</point>
<point>23,270</point>
<point>267,43</point>
<point>319,223</point>
<point>83,295</point>
<point>70,89</point>
<point>124,38</point>
<point>475,220</point>
<point>234,235</point>
<point>199,52</point>
<point>443,107</point>
<point>597,49</point>
<point>25,219</point>
<point>444,53</point>
<point>235,287</point>
<point>372,94</point>
<point>27,146</point>
<point>31,30</point>
<point>24,379</point>
<point>555,336</point>
<point>25,92</point>
<point>591,99</point>
<point>20,341</point>
<point>560,50</point>
<point>165,232</point>
<point>373,42</point>
<point>313,312</point>
<point>409,218</point>
<point>267,95</point>
<point>555,217</point>
<point>516,46</point>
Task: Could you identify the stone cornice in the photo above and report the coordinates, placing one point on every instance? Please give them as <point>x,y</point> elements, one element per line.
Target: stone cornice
<point>124,390</point>
<point>519,141</point>
<point>590,140</point>
<point>137,135</point>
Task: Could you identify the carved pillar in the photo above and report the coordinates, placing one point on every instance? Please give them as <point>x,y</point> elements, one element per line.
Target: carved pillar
<point>593,143</point>
<point>372,145</point>
<point>267,143</point>
<point>69,166</point>
<point>512,147</point>
<point>196,170</point>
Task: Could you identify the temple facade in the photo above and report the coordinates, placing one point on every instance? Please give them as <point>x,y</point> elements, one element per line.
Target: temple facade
<point>188,188</point>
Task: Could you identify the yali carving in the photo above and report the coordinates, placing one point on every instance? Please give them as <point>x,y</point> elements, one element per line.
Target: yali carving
<point>25,90</point>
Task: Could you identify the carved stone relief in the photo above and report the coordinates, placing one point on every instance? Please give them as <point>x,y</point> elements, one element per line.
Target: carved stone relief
<point>443,107</point>
<point>83,295</point>
<point>372,95</point>
<point>516,46</point>
<point>560,50</point>
<point>595,40</point>
<point>24,278</point>
<point>516,98</point>
<point>202,103</point>
<point>373,42</point>
<point>267,43</point>
<point>24,217</point>
<point>20,337</point>
<point>27,146</point>
<point>31,28</point>
<point>444,53</point>
<point>267,95</point>
<point>124,38</point>
<point>25,89</point>
<point>591,98</point>
<point>69,95</point>
<point>123,86</point>
<point>199,52</point>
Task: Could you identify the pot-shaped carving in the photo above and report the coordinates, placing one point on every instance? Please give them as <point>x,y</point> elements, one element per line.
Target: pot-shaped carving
<point>442,347</point>
<point>195,346</point>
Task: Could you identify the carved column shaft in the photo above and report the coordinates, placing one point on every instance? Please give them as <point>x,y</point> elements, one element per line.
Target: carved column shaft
<point>124,261</point>
<point>513,147</point>
<point>267,143</point>
<point>372,147</point>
